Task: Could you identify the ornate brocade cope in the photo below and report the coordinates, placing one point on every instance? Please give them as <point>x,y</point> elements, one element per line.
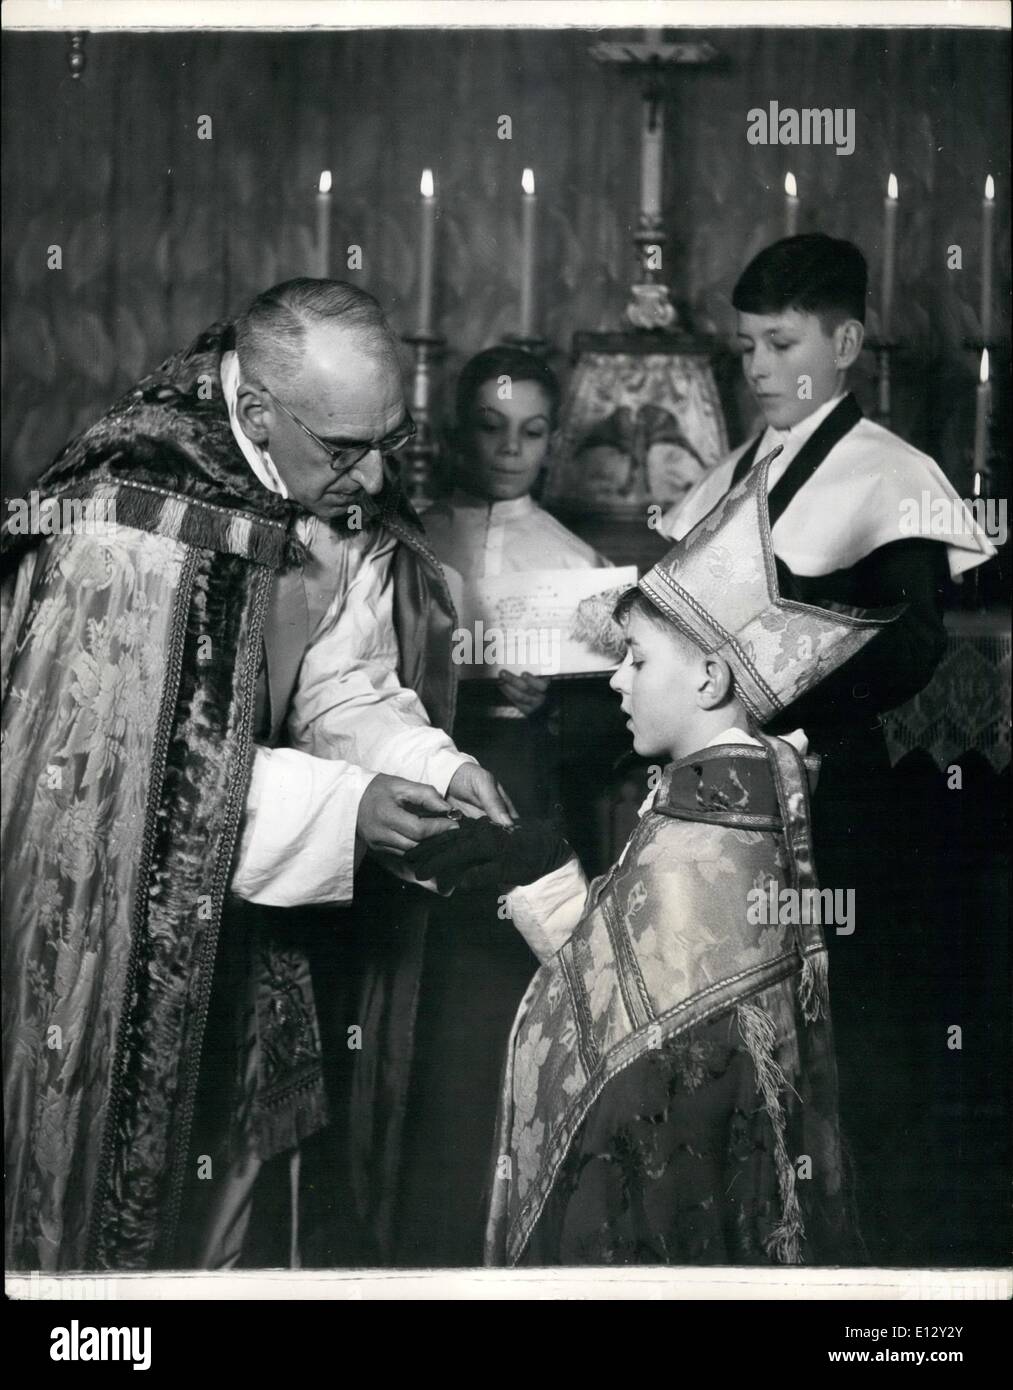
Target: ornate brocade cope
<point>666,944</point>
<point>130,669</point>
<point>126,763</point>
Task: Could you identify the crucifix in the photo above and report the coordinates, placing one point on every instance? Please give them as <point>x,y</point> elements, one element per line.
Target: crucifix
<point>651,60</point>
<point>642,419</point>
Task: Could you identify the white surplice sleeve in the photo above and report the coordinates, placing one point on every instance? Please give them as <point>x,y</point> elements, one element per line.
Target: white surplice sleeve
<point>349,702</point>
<point>547,911</point>
<point>350,718</point>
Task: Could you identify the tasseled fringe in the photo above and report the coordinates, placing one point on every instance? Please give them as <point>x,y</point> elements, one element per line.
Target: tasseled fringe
<point>813,990</point>
<point>759,1035</point>
<point>135,507</point>
<point>197,523</point>
<point>172,517</point>
<point>281,1126</point>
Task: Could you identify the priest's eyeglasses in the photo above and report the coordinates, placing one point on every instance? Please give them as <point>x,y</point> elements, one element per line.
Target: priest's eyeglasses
<point>345,454</point>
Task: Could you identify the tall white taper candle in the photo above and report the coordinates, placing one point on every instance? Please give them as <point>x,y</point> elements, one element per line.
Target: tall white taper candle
<point>427,250</point>
<point>652,152</point>
<point>790,205</point>
<point>987,218</point>
<point>529,207</point>
<point>889,255</point>
<point>324,225</point>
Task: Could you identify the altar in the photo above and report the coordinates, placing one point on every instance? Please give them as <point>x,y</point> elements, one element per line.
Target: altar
<point>965,708</point>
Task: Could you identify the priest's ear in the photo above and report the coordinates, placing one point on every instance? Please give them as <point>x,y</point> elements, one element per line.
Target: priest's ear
<point>848,339</point>
<point>716,684</point>
<point>254,412</point>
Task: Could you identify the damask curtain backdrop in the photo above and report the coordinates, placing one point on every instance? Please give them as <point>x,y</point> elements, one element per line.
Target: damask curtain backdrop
<point>161,232</point>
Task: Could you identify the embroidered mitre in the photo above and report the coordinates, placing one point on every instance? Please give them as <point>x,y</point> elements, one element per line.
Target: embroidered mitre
<point>719,586</point>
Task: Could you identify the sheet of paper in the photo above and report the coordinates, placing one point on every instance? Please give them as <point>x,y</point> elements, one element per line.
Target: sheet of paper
<point>548,622</point>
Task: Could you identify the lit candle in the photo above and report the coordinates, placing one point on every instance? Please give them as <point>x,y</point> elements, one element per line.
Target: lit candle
<point>324,225</point>
<point>981,416</point>
<point>427,251</point>
<point>889,255</point>
<point>652,149</point>
<point>528,209</point>
<point>790,205</point>
<point>987,215</point>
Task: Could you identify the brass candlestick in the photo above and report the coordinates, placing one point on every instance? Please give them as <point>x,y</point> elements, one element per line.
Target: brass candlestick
<point>419,457</point>
<point>650,306</point>
<point>884,352</point>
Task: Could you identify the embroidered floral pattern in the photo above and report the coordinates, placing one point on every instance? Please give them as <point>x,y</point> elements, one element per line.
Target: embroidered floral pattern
<point>602,1182</point>
<point>74,788</point>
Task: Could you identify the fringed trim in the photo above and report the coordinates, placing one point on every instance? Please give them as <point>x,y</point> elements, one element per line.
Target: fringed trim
<point>759,1035</point>
<point>813,987</point>
<point>284,1121</point>
<point>189,520</point>
<point>199,523</point>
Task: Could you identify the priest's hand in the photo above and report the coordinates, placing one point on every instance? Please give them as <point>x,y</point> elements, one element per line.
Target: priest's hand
<point>526,691</point>
<point>479,794</point>
<point>395,814</point>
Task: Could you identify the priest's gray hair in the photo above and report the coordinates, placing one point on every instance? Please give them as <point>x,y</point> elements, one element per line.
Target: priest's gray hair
<point>271,333</point>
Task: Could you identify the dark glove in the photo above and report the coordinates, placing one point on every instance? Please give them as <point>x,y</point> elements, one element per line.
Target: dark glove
<point>481,854</point>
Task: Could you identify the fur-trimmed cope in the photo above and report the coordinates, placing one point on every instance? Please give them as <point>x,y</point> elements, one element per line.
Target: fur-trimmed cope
<point>130,672</point>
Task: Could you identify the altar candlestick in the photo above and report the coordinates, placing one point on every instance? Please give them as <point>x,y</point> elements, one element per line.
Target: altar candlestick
<point>987,216</point>
<point>889,255</point>
<point>529,207</point>
<point>324,225</point>
<point>427,251</point>
<point>790,205</point>
<point>652,150</point>
<point>981,414</point>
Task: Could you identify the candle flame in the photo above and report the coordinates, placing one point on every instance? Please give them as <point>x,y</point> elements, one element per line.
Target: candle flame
<point>528,181</point>
<point>983,370</point>
<point>891,188</point>
<point>990,188</point>
<point>790,186</point>
<point>427,185</point>
<point>977,484</point>
<point>325,181</point>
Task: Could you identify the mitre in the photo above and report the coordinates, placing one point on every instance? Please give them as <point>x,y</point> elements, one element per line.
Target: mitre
<point>719,586</point>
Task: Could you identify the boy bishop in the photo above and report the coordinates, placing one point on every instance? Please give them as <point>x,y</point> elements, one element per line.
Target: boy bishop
<point>670,1090</point>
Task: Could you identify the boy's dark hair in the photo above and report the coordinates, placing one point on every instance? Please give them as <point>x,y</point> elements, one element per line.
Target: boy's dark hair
<point>634,600</point>
<point>815,274</point>
<point>516,363</point>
